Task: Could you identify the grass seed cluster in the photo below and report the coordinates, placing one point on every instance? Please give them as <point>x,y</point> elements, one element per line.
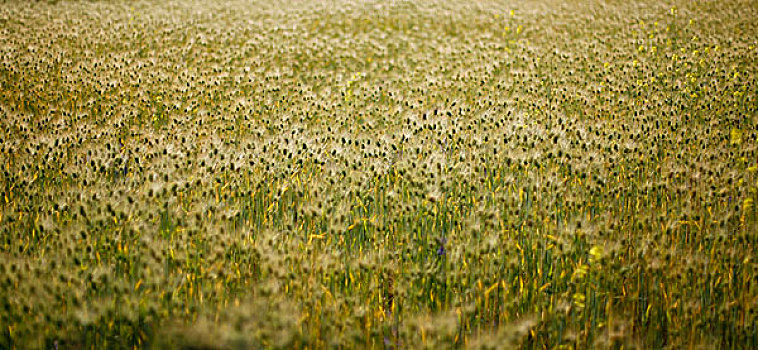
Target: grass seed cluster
<point>378,174</point>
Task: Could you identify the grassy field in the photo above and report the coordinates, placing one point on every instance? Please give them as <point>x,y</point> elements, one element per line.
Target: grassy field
<point>379,174</point>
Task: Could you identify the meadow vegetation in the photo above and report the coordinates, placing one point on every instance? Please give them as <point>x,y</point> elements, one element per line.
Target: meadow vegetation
<point>378,174</point>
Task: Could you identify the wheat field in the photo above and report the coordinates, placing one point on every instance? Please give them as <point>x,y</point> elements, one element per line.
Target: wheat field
<point>378,174</point>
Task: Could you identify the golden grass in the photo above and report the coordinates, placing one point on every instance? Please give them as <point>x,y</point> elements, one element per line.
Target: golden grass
<point>350,174</point>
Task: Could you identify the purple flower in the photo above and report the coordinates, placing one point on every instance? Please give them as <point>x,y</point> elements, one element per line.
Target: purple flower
<point>441,246</point>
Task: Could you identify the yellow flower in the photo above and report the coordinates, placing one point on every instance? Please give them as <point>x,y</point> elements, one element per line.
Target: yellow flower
<point>736,136</point>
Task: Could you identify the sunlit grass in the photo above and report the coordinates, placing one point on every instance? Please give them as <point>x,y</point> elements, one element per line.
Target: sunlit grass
<point>378,175</point>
